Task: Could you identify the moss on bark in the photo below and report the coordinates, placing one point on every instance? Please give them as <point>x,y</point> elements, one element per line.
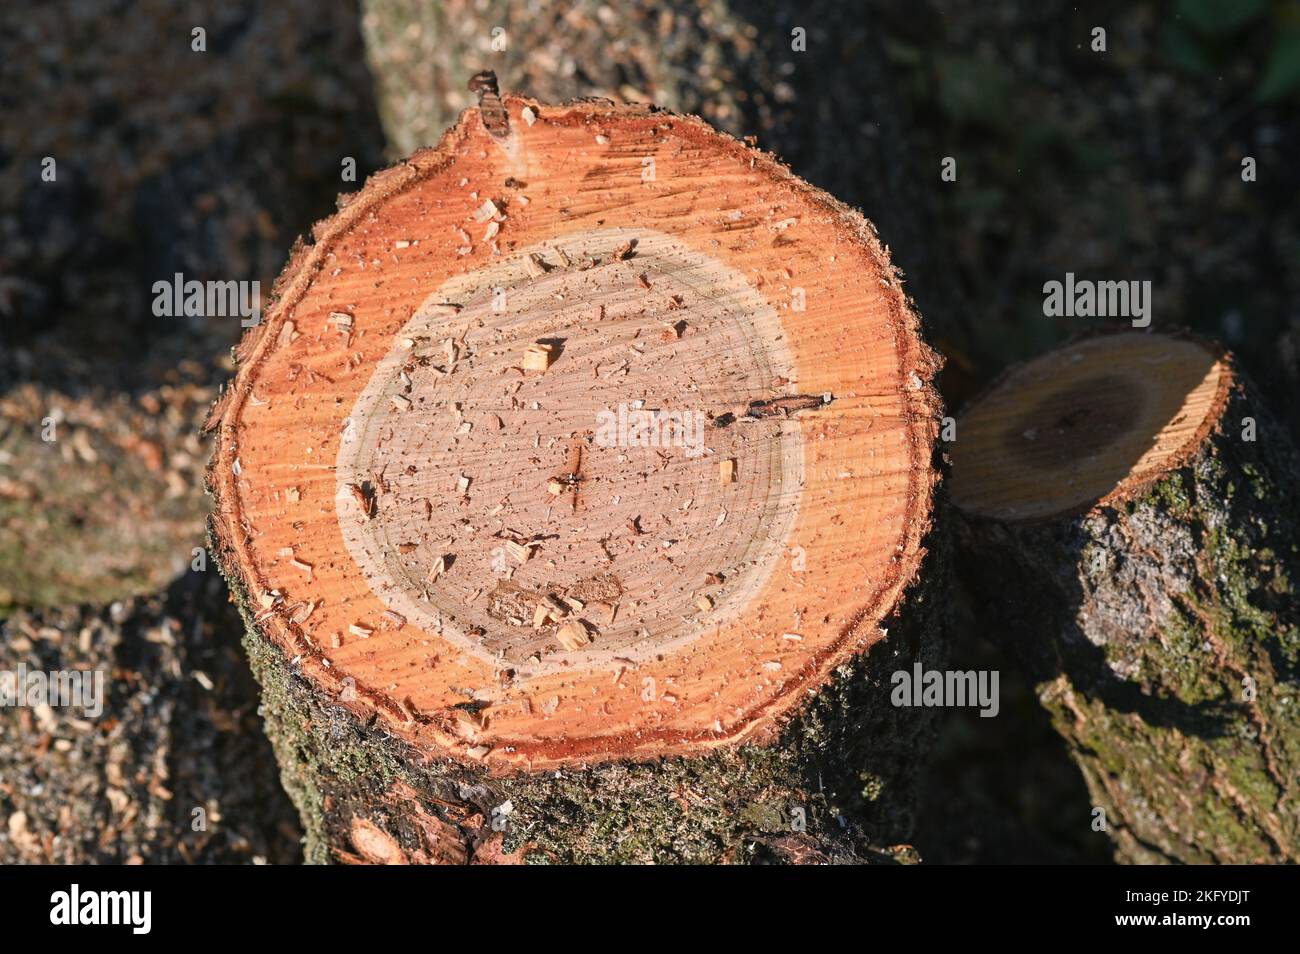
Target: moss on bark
<point>1164,637</point>
<point>838,786</point>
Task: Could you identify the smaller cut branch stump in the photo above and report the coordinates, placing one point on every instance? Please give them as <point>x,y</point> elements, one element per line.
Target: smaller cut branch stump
<point>1129,522</point>
<point>576,488</point>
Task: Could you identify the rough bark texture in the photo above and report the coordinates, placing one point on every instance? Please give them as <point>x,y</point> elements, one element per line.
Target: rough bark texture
<point>839,785</point>
<point>1164,637</point>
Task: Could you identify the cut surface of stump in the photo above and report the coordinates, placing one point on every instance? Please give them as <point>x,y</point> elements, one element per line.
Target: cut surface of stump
<point>1086,425</point>
<point>469,471</point>
<point>1127,515</point>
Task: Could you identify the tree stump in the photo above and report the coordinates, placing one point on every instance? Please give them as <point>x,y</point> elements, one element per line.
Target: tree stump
<point>1129,519</point>
<point>577,489</point>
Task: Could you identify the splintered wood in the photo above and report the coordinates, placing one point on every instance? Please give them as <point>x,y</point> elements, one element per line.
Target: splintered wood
<point>573,635</point>
<point>538,356</point>
<point>539,420</point>
<point>521,552</point>
<point>365,499</point>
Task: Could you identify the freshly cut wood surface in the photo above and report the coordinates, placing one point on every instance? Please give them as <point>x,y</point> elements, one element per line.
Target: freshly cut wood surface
<point>1087,424</point>
<point>417,487</point>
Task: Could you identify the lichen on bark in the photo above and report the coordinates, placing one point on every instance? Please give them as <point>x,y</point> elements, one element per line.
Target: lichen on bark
<point>1163,633</point>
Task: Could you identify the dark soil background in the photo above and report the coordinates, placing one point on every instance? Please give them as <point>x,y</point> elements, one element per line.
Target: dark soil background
<point>1123,164</point>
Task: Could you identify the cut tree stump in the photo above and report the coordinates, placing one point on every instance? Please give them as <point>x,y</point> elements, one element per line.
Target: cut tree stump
<point>577,490</point>
<point>1129,519</point>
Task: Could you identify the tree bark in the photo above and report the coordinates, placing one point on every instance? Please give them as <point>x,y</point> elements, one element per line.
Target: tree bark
<point>1128,515</point>
<point>495,620</point>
